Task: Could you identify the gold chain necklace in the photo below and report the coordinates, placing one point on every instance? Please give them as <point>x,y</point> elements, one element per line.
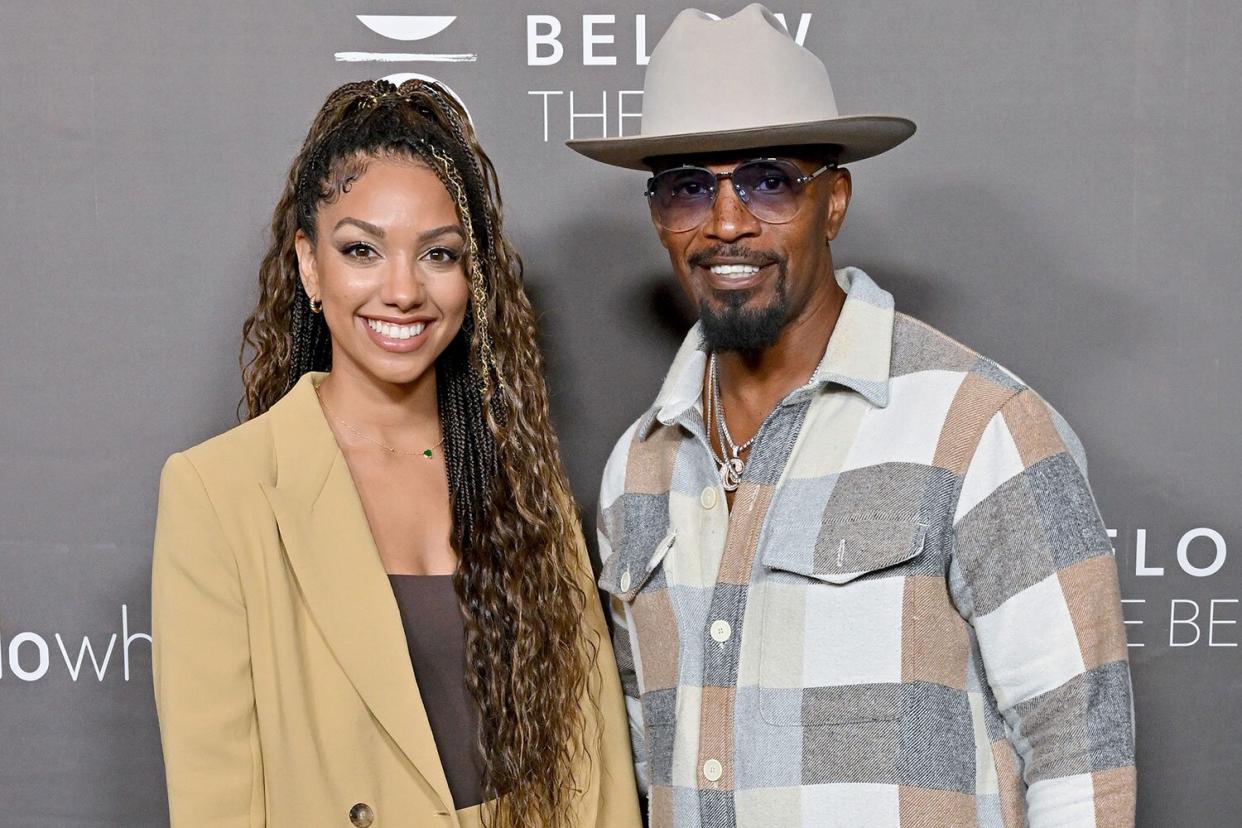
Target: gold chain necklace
<point>427,452</point>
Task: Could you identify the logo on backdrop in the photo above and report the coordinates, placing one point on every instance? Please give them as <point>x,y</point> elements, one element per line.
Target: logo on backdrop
<point>584,40</point>
<point>408,28</point>
<point>547,42</point>
<point>1199,554</point>
<point>29,656</point>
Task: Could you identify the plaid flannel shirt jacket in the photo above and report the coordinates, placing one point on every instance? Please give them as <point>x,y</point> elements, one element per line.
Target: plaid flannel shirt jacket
<point>910,616</point>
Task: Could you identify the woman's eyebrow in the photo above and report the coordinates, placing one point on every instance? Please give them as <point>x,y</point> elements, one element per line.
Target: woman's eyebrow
<point>440,231</point>
<point>378,232</point>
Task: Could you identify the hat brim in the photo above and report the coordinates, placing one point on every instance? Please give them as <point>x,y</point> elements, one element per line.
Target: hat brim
<point>859,136</point>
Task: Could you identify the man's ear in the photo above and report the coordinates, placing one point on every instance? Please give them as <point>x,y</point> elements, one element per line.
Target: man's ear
<point>308,269</point>
<point>841,187</point>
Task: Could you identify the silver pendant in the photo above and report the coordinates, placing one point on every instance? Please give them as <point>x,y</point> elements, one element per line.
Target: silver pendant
<point>731,473</point>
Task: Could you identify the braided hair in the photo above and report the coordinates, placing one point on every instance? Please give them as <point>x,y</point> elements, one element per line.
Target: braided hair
<point>514,528</point>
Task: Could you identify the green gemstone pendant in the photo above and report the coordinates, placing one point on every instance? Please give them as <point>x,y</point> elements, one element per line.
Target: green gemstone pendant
<point>427,453</point>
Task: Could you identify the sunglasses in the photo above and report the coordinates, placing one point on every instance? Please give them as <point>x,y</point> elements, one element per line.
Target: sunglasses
<point>681,198</point>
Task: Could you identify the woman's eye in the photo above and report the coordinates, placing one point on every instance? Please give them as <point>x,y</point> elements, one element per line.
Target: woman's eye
<point>358,250</point>
<point>443,254</point>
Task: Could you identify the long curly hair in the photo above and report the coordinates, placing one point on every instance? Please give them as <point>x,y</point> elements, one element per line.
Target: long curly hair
<point>515,530</point>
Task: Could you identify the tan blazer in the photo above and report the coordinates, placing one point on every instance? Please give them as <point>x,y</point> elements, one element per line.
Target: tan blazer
<point>282,677</point>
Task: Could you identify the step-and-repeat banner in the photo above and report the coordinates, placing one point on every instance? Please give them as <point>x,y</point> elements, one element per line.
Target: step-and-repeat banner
<point>1068,207</point>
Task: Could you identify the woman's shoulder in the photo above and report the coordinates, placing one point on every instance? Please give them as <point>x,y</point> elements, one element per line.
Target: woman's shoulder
<point>245,456</point>
<point>244,453</point>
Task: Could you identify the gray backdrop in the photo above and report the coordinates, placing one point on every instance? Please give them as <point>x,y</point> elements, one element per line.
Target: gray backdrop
<point>1067,207</point>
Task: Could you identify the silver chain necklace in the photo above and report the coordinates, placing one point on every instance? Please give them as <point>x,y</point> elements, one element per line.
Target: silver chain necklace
<point>729,462</point>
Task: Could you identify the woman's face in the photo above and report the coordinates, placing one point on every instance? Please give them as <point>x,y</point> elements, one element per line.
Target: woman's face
<point>388,264</point>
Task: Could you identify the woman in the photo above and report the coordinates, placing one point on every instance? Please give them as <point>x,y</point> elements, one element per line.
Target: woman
<point>371,601</point>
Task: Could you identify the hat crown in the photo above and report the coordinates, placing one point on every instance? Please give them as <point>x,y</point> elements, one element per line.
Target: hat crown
<point>737,84</point>
<point>745,71</point>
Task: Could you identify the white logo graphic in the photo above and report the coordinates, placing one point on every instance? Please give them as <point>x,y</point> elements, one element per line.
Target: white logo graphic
<point>1191,622</point>
<point>30,658</point>
<point>406,28</point>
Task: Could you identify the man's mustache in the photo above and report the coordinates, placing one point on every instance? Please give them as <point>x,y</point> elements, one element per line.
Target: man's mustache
<point>743,255</point>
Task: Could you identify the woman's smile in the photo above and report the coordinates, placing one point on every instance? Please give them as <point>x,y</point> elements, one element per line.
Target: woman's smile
<point>398,338</point>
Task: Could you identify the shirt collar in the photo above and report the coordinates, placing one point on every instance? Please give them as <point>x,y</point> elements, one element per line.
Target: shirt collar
<point>858,355</point>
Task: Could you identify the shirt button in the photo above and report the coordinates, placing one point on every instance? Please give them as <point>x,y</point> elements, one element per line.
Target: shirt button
<point>625,581</point>
<point>361,815</point>
<point>721,630</point>
<point>708,497</point>
<point>712,770</point>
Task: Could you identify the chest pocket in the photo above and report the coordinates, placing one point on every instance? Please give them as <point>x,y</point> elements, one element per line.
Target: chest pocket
<point>836,637</point>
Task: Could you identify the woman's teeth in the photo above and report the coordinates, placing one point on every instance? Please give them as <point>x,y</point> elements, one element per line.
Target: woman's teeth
<point>734,269</point>
<point>396,331</point>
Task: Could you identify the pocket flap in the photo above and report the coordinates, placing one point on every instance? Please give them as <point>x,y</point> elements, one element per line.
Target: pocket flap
<point>847,549</point>
<point>630,567</point>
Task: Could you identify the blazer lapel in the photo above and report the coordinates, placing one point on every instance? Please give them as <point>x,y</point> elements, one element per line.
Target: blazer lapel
<point>330,547</point>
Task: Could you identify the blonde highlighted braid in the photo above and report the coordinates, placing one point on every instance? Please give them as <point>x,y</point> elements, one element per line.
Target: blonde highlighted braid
<point>478,290</point>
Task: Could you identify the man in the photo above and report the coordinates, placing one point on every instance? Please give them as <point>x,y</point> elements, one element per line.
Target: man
<point>856,572</point>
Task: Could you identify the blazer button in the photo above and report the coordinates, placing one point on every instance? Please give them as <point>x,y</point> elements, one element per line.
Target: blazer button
<point>361,815</point>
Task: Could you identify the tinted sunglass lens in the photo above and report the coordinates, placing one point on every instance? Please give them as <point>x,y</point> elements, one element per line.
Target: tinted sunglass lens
<point>682,197</point>
<point>771,188</point>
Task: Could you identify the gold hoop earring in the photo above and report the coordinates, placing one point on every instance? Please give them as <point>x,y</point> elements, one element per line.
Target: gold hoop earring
<point>316,305</point>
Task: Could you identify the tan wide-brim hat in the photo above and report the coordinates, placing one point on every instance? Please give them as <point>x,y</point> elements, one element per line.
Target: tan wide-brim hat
<point>735,84</point>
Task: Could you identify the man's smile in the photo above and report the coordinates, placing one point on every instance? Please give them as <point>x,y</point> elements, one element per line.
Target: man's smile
<point>733,272</point>
<point>735,277</point>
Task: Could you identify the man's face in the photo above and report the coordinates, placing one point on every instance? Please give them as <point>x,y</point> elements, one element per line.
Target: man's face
<point>748,277</point>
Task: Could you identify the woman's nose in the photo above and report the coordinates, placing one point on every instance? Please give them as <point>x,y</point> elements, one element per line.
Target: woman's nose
<point>403,286</point>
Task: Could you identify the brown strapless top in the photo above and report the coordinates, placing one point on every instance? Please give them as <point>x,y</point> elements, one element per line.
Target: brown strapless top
<point>436,636</point>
